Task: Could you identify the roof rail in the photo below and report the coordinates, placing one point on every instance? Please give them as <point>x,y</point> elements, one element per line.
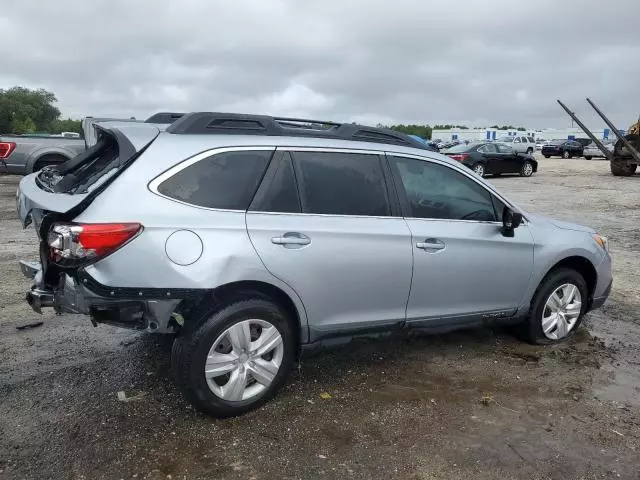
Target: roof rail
<point>164,117</point>
<point>241,124</point>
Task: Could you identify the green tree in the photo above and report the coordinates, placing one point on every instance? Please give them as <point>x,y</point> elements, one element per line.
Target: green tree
<point>26,110</point>
<point>68,125</point>
<point>423,131</point>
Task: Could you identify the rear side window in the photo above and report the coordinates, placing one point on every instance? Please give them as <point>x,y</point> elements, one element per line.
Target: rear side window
<point>281,194</point>
<point>335,183</point>
<point>224,180</point>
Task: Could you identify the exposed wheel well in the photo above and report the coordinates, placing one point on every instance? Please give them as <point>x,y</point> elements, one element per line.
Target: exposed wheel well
<point>232,292</point>
<point>584,267</point>
<point>48,159</point>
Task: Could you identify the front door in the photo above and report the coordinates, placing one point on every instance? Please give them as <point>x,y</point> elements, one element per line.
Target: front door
<point>511,162</point>
<point>464,268</point>
<point>324,224</point>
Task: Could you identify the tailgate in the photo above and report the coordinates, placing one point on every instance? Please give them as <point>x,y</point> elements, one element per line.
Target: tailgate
<point>73,184</point>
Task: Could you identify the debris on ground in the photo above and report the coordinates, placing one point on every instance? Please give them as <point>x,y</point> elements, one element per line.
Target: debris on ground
<point>27,326</point>
<point>325,396</point>
<point>487,399</point>
<point>123,397</point>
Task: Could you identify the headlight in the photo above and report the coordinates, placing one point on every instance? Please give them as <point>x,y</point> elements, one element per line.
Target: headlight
<point>602,241</point>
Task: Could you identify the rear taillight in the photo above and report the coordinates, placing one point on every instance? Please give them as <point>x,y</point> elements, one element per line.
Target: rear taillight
<point>87,241</point>
<point>460,157</point>
<point>6,148</point>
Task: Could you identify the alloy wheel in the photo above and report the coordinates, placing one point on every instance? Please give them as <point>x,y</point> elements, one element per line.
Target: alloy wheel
<point>527,169</point>
<point>479,169</point>
<point>561,311</point>
<point>244,360</point>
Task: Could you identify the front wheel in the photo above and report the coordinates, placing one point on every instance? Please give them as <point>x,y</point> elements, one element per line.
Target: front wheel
<point>527,169</point>
<point>622,169</point>
<point>479,169</point>
<point>236,358</point>
<point>588,157</point>
<point>547,156</point>
<point>557,308</point>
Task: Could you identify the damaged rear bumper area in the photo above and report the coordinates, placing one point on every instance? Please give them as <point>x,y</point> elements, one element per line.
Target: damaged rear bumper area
<point>128,310</point>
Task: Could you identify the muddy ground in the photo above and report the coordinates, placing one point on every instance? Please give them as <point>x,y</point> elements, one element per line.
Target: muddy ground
<point>471,405</point>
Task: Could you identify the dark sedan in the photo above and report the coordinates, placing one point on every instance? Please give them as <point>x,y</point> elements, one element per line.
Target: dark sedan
<point>563,148</point>
<point>493,158</point>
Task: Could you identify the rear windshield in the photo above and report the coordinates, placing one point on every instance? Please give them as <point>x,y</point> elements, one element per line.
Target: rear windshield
<point>82,173</point>
<point>459,148</point>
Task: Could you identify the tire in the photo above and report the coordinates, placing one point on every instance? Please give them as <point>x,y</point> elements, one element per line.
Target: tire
<point>532,328</point>
<point>588,157</point>
<point>527,169</point>
<point>48,160</point>
<point>547,156</point>
<point>479,169</point>
<point>192,348</point>
<point>622,169</point>
<point>566,154</point>
<point>530,151</point>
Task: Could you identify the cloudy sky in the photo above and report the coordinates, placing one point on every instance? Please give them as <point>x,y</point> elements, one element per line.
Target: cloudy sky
<point>476,62</point>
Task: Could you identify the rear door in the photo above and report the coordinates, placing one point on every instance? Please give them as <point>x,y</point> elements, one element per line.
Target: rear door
<point>490,153</point>
<point>510,160</point>
<point>325,222</point>
<point>464,268</point>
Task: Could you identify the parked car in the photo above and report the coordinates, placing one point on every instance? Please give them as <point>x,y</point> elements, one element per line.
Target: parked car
<point>591,151</point>
<point>541,142</point>
<point>23,154</point>
<point>562,148</point>
<point>520,144</point>
<point>249,240</point>
<point>493,158</point>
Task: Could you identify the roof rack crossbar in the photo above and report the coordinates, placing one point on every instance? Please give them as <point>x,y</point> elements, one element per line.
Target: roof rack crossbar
<point>241,124</point>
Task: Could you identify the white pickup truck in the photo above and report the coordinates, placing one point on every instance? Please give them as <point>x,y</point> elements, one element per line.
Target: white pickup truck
<point>520,143</point>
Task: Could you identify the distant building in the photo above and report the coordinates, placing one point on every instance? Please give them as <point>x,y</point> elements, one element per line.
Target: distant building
<point>480,134</point>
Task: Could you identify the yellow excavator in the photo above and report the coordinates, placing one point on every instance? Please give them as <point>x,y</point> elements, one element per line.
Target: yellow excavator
<point>625,158</point>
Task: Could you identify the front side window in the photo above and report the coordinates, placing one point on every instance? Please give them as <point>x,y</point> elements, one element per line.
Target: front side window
<point>488,148</point>
<point>335,183</point>
<point>224,180</point>
<point>440,192</point>
<point>517,140</point>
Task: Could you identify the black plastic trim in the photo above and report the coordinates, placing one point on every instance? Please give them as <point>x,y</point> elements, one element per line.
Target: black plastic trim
<point>142,293</point>
<point>164,118</point>
<point>244,124</point>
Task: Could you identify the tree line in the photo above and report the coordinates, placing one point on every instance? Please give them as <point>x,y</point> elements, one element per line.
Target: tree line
<point>24,111</point>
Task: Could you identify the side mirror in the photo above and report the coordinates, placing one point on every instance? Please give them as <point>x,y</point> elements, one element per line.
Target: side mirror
<point>510,221</point>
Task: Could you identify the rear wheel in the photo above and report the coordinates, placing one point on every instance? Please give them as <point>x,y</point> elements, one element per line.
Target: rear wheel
<point>529,150</point>
<point>588,157</point>
<point>527,169</point>
<point>47,160</point>
<point>547,156</point>
<point>235,358</point>
<point>623,169</point>
<point>479,169</point>
<point>557,308</point>
<point>566,154</point>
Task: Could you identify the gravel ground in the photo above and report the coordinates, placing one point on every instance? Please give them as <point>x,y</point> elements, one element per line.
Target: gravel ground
<point>470,405</point>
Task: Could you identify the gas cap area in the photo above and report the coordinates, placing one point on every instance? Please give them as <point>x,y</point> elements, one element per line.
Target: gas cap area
<point>183,247</point>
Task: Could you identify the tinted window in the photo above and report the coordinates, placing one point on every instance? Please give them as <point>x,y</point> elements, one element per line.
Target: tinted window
<point>436,191</point>
<point>281,194</point>
<point>488,148</point>
<point>531,140</point>
<point>341,183</point>
<point>225,180</point>
<point>459,149</point>
<point>504,148</point>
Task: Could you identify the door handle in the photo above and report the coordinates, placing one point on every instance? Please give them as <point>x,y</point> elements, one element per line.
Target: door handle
<point>291,238</point>
<point>431,244</point>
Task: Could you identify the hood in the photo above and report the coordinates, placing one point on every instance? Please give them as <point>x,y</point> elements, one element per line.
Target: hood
<point>559,223</point>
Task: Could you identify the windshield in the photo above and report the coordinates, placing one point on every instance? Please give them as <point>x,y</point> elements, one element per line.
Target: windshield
<point>505,139</point>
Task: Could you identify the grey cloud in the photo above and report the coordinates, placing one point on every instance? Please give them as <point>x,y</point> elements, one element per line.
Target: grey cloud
<point>373,61</point>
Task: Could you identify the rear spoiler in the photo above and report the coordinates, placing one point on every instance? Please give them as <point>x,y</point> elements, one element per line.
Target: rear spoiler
<point>89,124</point>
